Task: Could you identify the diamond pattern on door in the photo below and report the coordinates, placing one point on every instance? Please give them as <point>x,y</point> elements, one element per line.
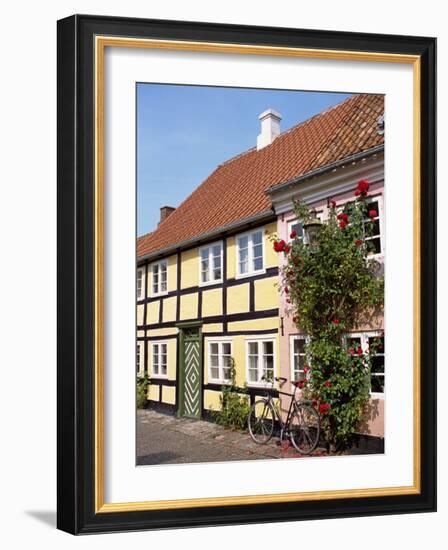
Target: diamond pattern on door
<point>192,379</point>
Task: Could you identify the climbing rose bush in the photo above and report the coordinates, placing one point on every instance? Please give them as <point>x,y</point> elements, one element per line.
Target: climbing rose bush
<point>330,290</point>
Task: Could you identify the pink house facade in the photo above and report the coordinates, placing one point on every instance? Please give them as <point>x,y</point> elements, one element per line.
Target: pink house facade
<point>338,182</point>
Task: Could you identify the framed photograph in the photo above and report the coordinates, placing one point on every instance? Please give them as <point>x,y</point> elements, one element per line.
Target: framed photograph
<point>246,274</point>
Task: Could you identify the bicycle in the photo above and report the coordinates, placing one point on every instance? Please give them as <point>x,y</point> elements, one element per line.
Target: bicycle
<point>302,424</point>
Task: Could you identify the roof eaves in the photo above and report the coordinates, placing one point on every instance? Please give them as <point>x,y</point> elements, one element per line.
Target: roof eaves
<point>321,170</point>
<point>256,218</point>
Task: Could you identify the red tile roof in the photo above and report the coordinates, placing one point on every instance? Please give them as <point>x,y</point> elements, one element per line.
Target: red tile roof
<point>237,188</point>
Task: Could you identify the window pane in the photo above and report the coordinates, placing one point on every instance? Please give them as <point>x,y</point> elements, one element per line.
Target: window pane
<point>377,384</point>
<point>214,360</point>
<point>243,242</point>
<point>258,264</point>
<point>299,345</point>
<point>268,348</point>
<point>226,348</point>
<point>253,368</point>
<point>253,348</point>
<point>216,274</point>
<point>204,253</point>
<point>257,238</point>
<point>353,342</point>
<point>214,348</point>
<point>214,373</point>
<point>298,228</point>
<point>216,251</point>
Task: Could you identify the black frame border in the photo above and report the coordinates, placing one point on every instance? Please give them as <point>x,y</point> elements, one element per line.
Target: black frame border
<point>76,224</point>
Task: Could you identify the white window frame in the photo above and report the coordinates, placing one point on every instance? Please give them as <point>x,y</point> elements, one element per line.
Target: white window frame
<point>249,234</point>
<point>219,341</point>
<point>140,295</point>
<point>380,218</point>
<point>290,223</point>
<point>293,338</point>
<point>364,336</point>
<point>139,359</point>
<point>210,261</point>
<point>259,340</point>
<point>289,229</point>
<point>159,343</point>
<point>159,292</point>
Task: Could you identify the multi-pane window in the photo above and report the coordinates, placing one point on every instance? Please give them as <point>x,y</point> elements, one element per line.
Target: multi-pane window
<point>211,263</point>
<point>220,361</point>
<point>159,358</point>
<point>297,227</point>
<point>377,372</point>
<point>140,281</point>
<point>250,252</point>
<point>260,360</point>
<point>138,359</point>
<point>159,277</point>
<point>373,341</point>
<point>298,358</point>
<point>375,232</point>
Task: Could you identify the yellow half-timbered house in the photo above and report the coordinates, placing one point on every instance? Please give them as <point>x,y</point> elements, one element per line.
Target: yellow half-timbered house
<point>208,277</point>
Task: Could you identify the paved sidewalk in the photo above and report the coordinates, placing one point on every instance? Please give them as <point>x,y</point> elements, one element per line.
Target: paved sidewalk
<point>164,439</point>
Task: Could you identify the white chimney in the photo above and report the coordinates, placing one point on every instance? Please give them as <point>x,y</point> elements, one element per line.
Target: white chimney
<point>270,128</point>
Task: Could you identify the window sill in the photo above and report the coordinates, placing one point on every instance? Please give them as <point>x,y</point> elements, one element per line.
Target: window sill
<point>211,283</point>
<point>160,294</point>
<point>251,274</point>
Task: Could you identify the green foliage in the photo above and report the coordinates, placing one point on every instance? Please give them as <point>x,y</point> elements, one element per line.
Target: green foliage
<point>235,405</point>
<point>331,288</point>
<point>142,391</point>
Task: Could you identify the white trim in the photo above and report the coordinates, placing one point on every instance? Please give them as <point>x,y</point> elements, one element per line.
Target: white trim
<point>249,234</point>
<point>259,340</point>
<point>292,339</point>
<point>140,354</point>
<point>151,358</point>
<point>140,295</point>
<point>338,181</point>
<point>210,257</point>
<point>151,286</point>
<point>218,340</point>
<point>364,336</point>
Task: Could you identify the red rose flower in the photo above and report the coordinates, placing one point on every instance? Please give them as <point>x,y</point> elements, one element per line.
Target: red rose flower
<point>357,193</point>
<point>323,407</point>
<point>288,301</point>
<point>373,213</point>
<point>295,320</point>
<point>363,187</point>
<point>328,384</point>
<point>335,321</point>
<point>359,350</point>
<point>358,242</point>
<point>342,224</point>
<point>293,234</point>
<point>343,216</point>
<point>351,351</point>
<point>287,249</point>
<point>306,369</point>
<point>286,290</point>
<point>301,384</point>
<point>333,203</point>
<point>279,246</point>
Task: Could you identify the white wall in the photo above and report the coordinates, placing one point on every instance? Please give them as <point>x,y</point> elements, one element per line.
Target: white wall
<point>28,274</point>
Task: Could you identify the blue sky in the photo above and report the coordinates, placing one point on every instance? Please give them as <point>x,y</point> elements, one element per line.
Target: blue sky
<point>184,132</point>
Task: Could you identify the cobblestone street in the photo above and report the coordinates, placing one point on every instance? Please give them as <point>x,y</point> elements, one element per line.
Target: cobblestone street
<point>164,439</point>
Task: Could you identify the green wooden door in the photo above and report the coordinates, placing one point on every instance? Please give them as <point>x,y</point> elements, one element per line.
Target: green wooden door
<point>191,373</point>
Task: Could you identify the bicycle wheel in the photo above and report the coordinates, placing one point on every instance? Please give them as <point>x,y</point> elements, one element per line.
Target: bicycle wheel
<point>261,421</point>
<point>304,428</point>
